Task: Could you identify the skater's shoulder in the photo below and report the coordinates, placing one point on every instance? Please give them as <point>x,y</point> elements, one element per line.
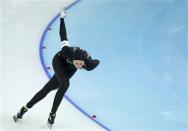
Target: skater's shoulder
<point>66,52</point>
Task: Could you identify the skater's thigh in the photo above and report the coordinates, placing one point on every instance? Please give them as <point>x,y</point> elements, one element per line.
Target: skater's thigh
<point>52,84</point>
<point>62,78</point>
<point>60,72</point>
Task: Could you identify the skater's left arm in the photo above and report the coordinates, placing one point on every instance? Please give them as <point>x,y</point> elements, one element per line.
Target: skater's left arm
<point>63,33</point>
<point>66,50</point>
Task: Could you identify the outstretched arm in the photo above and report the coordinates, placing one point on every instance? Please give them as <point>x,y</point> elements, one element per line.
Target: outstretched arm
<point>62,30</point>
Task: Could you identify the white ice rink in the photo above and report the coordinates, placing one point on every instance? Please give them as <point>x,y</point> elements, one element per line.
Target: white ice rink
<point>140,85</point>
<point>22,24</point>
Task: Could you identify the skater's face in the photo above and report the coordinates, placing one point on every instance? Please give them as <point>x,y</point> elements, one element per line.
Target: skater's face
<point>78,64</point>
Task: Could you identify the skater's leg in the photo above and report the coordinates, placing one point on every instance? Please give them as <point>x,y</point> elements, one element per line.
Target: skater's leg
<point>57,100</point>
<point>52,84</point>
<point>63,78</point>
<point>59,96</point>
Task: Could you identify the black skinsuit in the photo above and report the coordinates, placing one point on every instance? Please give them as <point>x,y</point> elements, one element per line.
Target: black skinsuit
<point>64,70</point>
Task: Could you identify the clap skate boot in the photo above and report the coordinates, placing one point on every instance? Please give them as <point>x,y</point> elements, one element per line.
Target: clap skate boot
<point>20,114</point>
<point>51,119</point>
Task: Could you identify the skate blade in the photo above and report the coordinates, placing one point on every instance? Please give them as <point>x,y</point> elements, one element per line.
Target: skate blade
<point>15,118</point>
<point>49,125</point>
